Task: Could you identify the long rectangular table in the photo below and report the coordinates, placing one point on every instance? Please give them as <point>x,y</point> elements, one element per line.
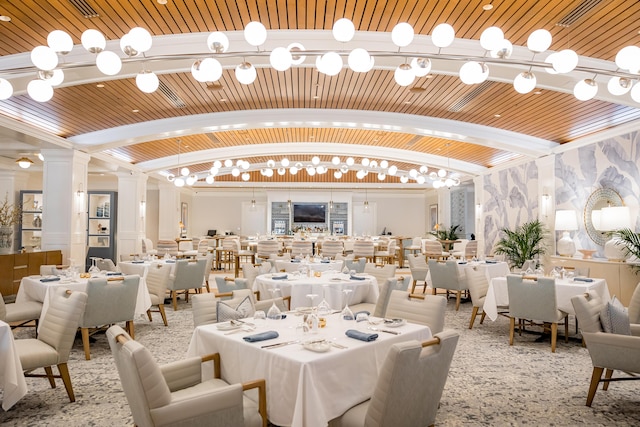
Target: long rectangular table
<point>304,388</point>
<point>497,294</point>
<point>11,375</point>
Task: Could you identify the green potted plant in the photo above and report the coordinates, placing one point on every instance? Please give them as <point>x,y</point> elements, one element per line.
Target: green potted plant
<point>443,233</point>
<point>631,242</point>
<point>524,243</point>
<point>9,216</point>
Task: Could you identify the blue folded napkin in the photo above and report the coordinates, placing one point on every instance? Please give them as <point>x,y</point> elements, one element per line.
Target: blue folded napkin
<point>261,336</point>
<point>362,336</point>
<point>170,261</point>
<point>582,279</point>
<point>295,260</point>
<point>462,262</point>
<point>137,262</point>
<point>49,279</point>
<point>114,273</point>
<point>284,276</point>
<point>357,277</point>
<point>325,261</point>
<point>490,262</point>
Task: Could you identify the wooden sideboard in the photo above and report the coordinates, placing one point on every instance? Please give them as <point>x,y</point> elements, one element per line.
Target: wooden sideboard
<point>620,277</point>
<point>13,267</point>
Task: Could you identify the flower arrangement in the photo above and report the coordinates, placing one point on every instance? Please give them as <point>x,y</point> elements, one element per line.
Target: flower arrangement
<point>9,213</point>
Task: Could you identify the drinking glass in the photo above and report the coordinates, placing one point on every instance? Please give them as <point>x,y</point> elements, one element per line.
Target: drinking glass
<point>347,314</point>
<point>274,312</point>
<point>259,318</point>
<point>94,267</point>
<point>324,309</point>
<point>313,317</point>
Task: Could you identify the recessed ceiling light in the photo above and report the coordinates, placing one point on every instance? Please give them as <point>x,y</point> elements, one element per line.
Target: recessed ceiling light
<point>100,85</point>
<point>407,102</point>
<point>316,97</point>
<point>5,18</point>
<point>497,116</point>
<point>538,92</point>
<point>223,99</point>
<point>162,1</point>
<point>487,6</point>
<point>135,110</point>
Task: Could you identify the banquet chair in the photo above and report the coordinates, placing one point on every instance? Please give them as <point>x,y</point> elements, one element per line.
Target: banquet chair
<point>426,310</point>
<point>188,274</point>
<point>301,248</point>
<point>331,248</point>
<point>634,307</point>
<point>433,250</point>
<point>204,307</point>
<point>380,307</point>
<point>419,269</point>
<point>108,301</point>
<point>176,394</point>
<point>251,271</point>
<point>387,253</point>
<point>459,247</point>
<point>609,352</point>
<point>50,270</point>
<point>267,247</point>
<point>147,247</point>
<point>203,247</point>
<point>231,247</point>
<point>157,279</point>
<point>105,264</point>
<point>380,273</point>
<point>208,257</point>
<point>410,385</point>
<point>20,313</point>
<point>363,249</point>
<point>471,249</point>
<point>445,275</point>
<point>53,345</point>
<point>533,302</point>
<point>415,248</point>
<point>356,265</point>
<point>168,247</point>
<point>230,284</point>
<point>478,283</point>
<point>186,248</point>
<point>129,257</point>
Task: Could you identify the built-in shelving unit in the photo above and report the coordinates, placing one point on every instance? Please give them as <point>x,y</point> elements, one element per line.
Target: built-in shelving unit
<point>30,234</point>
<point>101,235</point>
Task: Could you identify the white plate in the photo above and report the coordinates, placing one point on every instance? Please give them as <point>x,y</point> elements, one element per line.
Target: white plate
<point>317,346</point>
<point>227,326</point>
<point>394,323</point>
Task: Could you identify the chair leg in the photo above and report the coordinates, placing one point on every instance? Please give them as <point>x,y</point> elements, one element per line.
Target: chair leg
<point>66,379</point>
<point>433,290</point>
<point>149,315</point>
<point>607,375</point>
<point>50,377</point>
<point>130,329</point>
<point>593,387</point>
<point>474,313</point>
<point>566,329</point>
<point>162,313</point>
<point>458,297</point>
<point>482,317</point>
<point>512,327</point>
<point>174,295</point>
<point>207,284</point>
<point>554,336</point>
<point>85,343</point>
<point>413,288</point>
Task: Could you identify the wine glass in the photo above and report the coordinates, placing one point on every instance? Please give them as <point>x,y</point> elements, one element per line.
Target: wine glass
<point>274,312</point>
<point>94,267</point>
<point>347,314</point>
<point>313,317</point>
<point>324,309</point>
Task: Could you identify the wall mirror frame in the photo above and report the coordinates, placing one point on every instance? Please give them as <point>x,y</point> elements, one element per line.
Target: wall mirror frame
<point>600,198</point>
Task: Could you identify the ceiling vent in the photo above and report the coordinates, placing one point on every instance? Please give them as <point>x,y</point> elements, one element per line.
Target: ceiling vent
<point>173,98</point>
<point>84,8</point>
<point>583,8</point>
<point>462,102</point>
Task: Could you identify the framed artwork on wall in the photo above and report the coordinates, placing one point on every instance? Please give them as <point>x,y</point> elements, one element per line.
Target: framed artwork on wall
<point>433,217</point>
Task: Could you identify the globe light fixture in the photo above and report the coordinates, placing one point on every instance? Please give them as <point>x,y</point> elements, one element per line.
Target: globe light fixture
<point>585,89</point>
<point>60,42</point>
<point>39,90</point>
<point>280,59</point>
<point>335,161</point>
<point>255,33</point>
<point>491,38</point>
<point>93,41</point>
<point>343,30</point>
<point>218,42</point>
<point>404,75</point>
<point>6,89</point>
<point>628,58</point>
<point>108,63</point>
<point>421,66</point>
<point>360,60</point>
<point>126,46</point>
<point>24,162</point>
<point>565,61</point>
<point>209,179</point>
<point>140,39</point>
<point>44,58</point>
<point>296,57</point>
<point>619,85</point>
<point>147,81</point>
<point>246,73</point>
<point>179,182</point>
<point>539,41</point>
<point>443,35</point>
<point>524,82</point>
<point>402,34</point>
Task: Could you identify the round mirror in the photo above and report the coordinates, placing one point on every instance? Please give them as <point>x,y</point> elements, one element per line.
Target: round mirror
<point>600,198</point>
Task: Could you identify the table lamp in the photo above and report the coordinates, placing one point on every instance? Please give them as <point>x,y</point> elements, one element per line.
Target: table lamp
<point>615,218</point>
<point>566,221</point>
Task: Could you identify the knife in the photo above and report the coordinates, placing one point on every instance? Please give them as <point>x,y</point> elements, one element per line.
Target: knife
<point>282,344</point>
<point>390,332</point>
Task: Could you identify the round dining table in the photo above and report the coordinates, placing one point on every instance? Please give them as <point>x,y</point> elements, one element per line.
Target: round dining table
<point>291,266</point>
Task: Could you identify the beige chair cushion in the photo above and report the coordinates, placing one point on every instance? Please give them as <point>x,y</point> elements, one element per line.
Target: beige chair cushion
<point>428,311</point>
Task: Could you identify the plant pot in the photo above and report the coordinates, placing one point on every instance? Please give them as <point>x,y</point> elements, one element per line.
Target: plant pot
<point>6,239</point>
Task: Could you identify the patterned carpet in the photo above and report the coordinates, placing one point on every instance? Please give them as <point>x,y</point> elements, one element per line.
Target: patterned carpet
<point>490,383</point>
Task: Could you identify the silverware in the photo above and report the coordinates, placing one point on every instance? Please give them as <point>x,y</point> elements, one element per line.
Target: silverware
<point>282,344</point>
<point>385,330</point>
<point>340,346</point>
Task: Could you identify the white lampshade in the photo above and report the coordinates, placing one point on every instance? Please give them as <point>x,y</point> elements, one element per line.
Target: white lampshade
<point>525,82</point>
<point>421,66</point>
<point>585,89</point>
<point>184,171</point>
<point>210,179</point>
<point>147,81</point>
<point>191,179</point>
<point>54,78</point>
<point>343,30</point>
<point>140,39</point>
<point>206,70</point>
<point>281,171</point>
<point>404,75</point>
<point>39,90</point>
<point>330,63</point>
<point>179,182</point>
<point>360,60</point>
<point>214,171</point>
<point>566,219</point>
<point>443,35</point>
<point>44,58</point>
<point>337,174</point>
<point>635,92</point>
<point>350,161</point>
<point>473,72</point>
<point>218,42</point>
<point>384,164</point>
<point>619,85</point>
<point>93,41</point>
<point>503,51</point>
<point>402,34</point>
<point>404,179</point>
<point>335,160</point>
<point>6,89</point>
<point>539,41</point>
<point>393,169</point>
<point>596,219</point>
<point>246,73</point>
<point>491,38</point>
<point>615,218</point>
<point>126,47</point>
<point>60,42</point>
<point>228,163</point>
<point>565,61</point>
<point>108,63</point>
<point>628,58</point>
<point>284,162</point>
<point>280,59</point>
<point>217,164</point>
<point>255,33</point>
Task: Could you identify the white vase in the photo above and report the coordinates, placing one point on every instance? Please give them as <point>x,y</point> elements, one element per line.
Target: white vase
<point>6,239</point>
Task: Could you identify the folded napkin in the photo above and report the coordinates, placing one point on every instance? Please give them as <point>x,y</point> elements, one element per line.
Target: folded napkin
<point>170,261</point>
<point>462,262</point>
<point>325,261</point>
<point>261,336</point>
<point>49,279</point>
<point>284,276</point>
<point>582,279</point>
<point>357,277</point>
<point>490,262</point>
<point>114,273</point>
<point>137,262</point>
<point>362,336</point>
<point>295,260</point>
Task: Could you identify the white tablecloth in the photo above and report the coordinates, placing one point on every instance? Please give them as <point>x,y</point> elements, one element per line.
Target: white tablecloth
<point>304,388</point>
<point>492,269</point>
<point>497,294</point>
<point>329,285</point>
<point>32,289</point>
<point>291,267</point>
<point>11,375</point>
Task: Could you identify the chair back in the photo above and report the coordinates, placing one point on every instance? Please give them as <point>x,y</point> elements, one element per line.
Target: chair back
<point>403,283</point>
<point>250,272</point>
<point>302,248</point>
<point>49,270</point>
<point>411,382</point>
<point>383,299</point>
<point>157,280</point>
<point>416,242</point>
<point>208,257</point>
<point>185,245</point>
<point>444,275</point>
<point>531,299</point>
<point>417,261</point>
<point>634,306</point>
<point>224,285</point>
<point>203,308</point>
<point>105,264</point>
<point>141,377</point>
<point>356,265</point>
<point>231,244</point>
<point>331,248</point>
<point>380,273</point>
<point>60,323</point>
<point>203,247</point>
<point>167,247</point>
<point>433,249</point>
<point>478,283</point>
<point>110,301</point>
<point>189,274</point>
<point>147,247</point>
<point>471,249</point>
<point>363,249</point>
<point>588,307</point>
<point>267,247</point>
<point>428,311</point>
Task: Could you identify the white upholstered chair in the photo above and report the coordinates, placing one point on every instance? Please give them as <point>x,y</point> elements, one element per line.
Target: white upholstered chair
<point>157,279</point>
<point>409,387</point>
<point>356,265</point>
<point>387,253</point>
<point>105,264</point>
<point>445,275</point>
<point>331,248</point>
<point>189,274</point>
<point>208,257</point>
<point>426,310</point>
<point>230,284</point>
<point>20,313</point>
<point>268,247</point>
<point>168,247</point>
<point>419,269</point>
<point>433,250</point>
<point>57,332</point>
<point>478,286</point>
<point>379,308</point>
<point>380,273</point>
<point>108,301</point>
<point>176,394</point>
<point>204,306</point>
<point>533,302</point>
<point>301,248</point>
<point>363,249</point>
<point>147,247</point>
<point>608,351</point>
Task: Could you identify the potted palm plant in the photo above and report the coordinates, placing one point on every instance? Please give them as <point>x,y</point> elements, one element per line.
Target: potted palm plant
<point>9,216</point>
<point>631,242</point>
<point>524,243</point>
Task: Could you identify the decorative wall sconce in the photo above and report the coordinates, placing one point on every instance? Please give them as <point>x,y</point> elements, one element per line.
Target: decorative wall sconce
<point>143,208</point>
<point>80,200</point>
<point>545,204</point>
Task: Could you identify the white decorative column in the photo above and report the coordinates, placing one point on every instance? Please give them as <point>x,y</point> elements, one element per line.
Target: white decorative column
<point>169,211</point>
<point>11,182</point>
<point>479,213</point>
<point>64,197</point>
<point>132,190</point>
<point>547,200</point>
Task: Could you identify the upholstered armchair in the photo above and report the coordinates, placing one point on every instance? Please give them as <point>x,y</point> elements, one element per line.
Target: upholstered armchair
<point>301,248</point>
<point>380,273</point>
<point>386,253</point>
<point>478,286</point>
<point>157,279</point>
<point>410,385</point>
<point>445,275</point>
<point>363,249</point>
<point>380,307</point>
<point>608,351</point>
<point>419,269</point>
<point>188,274</point>
<point>426,310</point>
<point>20,312</point>
<point>57,333</point>
<point>176,394</point>
<point>108,301</point>
<point>356,265</point>
<point>229,284</point>
<point>331,248</point>
<point>147,247</point>
<point>105,264</point>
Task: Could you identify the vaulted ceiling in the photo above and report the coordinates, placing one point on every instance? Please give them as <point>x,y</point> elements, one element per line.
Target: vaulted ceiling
<point>437,121</point>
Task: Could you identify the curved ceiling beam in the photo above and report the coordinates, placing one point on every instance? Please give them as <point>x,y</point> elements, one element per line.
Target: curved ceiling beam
<point>318,118</point>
